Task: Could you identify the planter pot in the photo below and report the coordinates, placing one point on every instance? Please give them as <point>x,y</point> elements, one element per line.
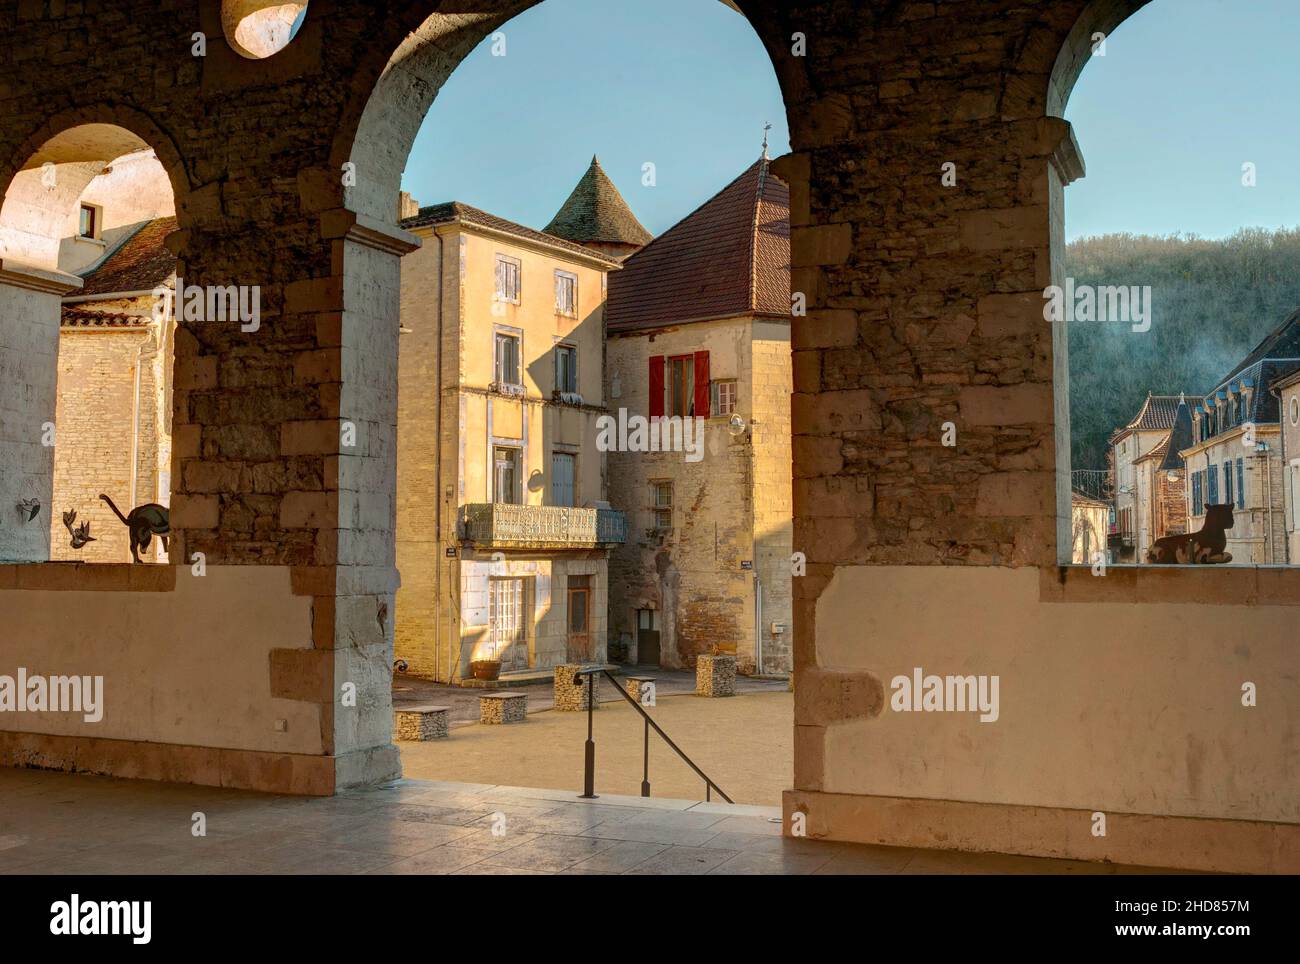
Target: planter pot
<point>487,669</point>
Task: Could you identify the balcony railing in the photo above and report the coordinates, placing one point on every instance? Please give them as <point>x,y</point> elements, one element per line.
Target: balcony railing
<point>541,526</point>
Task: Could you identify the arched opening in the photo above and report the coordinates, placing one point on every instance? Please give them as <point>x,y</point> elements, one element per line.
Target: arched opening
<point>522,541</point>
<point>258,29</point>
<point>1178,290</point>
<point>87,347</point>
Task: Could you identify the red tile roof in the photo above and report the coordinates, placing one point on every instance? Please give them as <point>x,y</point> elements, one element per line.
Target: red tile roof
<point>140,263</point>
<point>729,257</point>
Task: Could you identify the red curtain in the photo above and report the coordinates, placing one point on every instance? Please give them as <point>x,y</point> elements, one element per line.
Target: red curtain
<point>656,385</point>
<point>702,384</point>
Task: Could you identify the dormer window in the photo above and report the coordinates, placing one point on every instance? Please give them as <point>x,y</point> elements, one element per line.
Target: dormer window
<point>89,224</point>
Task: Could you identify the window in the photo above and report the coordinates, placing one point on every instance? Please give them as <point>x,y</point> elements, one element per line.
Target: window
<point>663,505</point>
<point>566,294</point>
<point>1227,482</point>
<point>89,227</point>
<point>1294,409</point>
<point>1241,483</point>
<point>566,368</point>
<point>506,475</point>
<point>1295,494</point>
<point>507,364</point>
<point>1213,489</point>
<point>724,396</point>
<point>509,276</point>
<point>562,474</point>
<point>681,386</point>
<point>1196,494</point>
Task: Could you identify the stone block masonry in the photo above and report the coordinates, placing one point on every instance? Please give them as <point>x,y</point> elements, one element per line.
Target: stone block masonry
<point>715,676</point>
<point>570,696</point>
<point>421,723</point>
<point>499,708</point>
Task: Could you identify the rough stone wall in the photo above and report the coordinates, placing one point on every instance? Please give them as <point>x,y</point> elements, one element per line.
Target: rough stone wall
<point>692,574</point>
<point>773,525</point>
<point>97,405</point>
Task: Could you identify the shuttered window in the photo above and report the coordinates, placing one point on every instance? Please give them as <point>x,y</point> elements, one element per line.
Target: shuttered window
<point>1241,483</point>
<point>562,465</point>
<point>566,293</point>
<point>1213,495</point>
<point>1227,482</point>
<point>508,279</point>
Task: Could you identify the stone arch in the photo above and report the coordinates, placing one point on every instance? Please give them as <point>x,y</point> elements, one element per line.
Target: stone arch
<point>44,182</point>
<point>258,29</point>
<point>392,98</point>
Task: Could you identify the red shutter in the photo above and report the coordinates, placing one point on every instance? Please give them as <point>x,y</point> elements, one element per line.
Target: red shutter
<point>656,386</point>
<point>702,384</point>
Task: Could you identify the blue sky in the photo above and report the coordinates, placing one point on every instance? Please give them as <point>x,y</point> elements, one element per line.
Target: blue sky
<point>623,79</point>
<point>1187,92</point>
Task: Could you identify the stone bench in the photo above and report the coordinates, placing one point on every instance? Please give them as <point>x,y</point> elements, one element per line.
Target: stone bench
<point>496,708</point>
<point>633,685</point>
<point>715,676</point>
<point>420,723</point>
<point>571,696</point>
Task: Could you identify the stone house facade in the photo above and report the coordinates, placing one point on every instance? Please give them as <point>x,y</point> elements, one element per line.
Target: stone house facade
<point>503,528</point>
<point>1236,453</point>
<point>699,328</point>
<point>1136,451</point>
<point>1287,390</point>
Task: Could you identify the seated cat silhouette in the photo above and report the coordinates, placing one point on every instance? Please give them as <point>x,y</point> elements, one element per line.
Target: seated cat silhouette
<point>1205,546</point>
<point>145,522</point>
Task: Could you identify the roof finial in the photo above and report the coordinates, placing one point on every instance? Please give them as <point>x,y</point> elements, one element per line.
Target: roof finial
<point>766,128</point>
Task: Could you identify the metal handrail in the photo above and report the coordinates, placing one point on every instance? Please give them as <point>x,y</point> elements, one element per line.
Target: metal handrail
<point>589,768</point>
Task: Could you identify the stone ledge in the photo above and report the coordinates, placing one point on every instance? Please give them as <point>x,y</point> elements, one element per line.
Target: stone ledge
<point>88,577</point>
<point>270,772</point>
<point>1188,843</point>
<point>1185,585</point>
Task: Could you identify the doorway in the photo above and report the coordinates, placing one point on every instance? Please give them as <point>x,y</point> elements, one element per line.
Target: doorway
<point>647,637</point>
<point>578,643</point>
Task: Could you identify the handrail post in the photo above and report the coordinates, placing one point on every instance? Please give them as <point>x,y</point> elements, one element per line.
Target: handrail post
<point>589,769</point>
<point>645,765</point>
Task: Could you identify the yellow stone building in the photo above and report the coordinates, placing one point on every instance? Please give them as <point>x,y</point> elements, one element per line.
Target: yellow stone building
<point>503,524</point>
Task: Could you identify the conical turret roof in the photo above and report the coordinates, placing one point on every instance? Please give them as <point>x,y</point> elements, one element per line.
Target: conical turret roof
<point>596,213</point>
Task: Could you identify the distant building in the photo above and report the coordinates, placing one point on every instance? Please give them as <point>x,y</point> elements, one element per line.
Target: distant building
<point>699,328</point>
<point>1236,453</point>
<point>1138,450</point>
<point>1287,390</point>
<point>503,528</point>
<point>1089,520</point>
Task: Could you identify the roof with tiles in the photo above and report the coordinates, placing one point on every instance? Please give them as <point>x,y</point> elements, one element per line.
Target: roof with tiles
<point>1157,412</point>
<point>449,211</point>
<point>729,257</point>
<point>595,213</point>
<point>141,262</point>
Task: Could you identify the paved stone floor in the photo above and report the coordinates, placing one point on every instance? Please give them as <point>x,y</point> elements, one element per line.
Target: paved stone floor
<point>745,743</point>
<point>56,823</point>
<point>463,701</point>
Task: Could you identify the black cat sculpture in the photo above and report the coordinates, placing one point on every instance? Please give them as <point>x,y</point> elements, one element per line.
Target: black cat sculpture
<point>145,522</point>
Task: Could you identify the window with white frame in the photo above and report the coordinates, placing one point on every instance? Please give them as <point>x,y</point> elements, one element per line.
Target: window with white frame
<point>662,493</point>
<point>506,475</point>
<point>88,226</point>
<point>566,368</point>
<point>509,278</point>
<point>566,293</point>
<point>724,396</point>
<point>508,353</point>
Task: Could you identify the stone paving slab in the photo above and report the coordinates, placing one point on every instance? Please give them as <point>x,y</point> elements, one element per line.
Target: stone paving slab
<point>58,823</point>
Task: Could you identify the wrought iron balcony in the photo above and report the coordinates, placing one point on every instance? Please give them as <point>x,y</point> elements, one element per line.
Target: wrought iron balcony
<point>541,526</point>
